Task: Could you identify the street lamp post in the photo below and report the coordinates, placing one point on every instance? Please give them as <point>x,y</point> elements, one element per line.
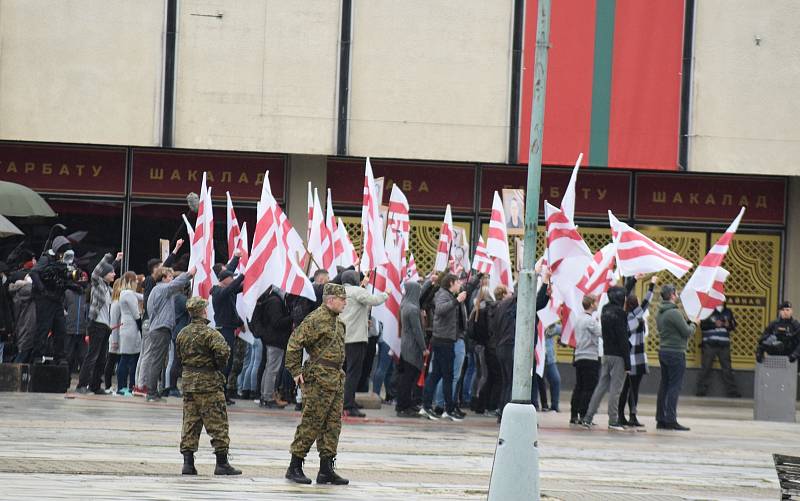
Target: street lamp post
<point>515,473</point>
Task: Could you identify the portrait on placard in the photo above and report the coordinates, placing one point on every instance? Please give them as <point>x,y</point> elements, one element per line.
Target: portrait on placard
<point>514,207</point>
<point>379,182</point>
<point>459,252</point>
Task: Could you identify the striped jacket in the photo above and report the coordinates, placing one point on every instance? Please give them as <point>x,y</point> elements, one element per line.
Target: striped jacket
<point>636,329</point>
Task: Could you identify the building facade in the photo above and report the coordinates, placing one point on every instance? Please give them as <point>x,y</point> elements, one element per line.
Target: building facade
<point>684,111</point>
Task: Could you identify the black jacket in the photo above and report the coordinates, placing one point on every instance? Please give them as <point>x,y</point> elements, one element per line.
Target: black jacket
<point>505,317</point>
<point>614,324</point>
<point>786,332</point>
<point>275,320</point>
<point>224,300</point>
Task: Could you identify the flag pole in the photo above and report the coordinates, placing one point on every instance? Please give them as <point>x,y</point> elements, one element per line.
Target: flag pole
<point>515,472</point>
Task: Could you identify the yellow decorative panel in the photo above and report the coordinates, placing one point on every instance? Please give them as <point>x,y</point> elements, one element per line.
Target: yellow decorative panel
<point>424,239</point>
<point>752,290</point>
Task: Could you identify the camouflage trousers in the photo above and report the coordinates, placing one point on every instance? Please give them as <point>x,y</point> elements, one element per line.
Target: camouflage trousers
<point>237,362</point>
<point>321,421</point>
<point>209,410</point>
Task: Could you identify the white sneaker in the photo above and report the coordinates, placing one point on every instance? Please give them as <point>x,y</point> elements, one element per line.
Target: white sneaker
<point>430,414</point>
<point>615,427</point>
<point>445,415</point>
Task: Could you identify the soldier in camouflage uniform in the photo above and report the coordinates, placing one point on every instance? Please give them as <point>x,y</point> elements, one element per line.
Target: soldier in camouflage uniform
<point>204,353</point>
<point>322,382</point>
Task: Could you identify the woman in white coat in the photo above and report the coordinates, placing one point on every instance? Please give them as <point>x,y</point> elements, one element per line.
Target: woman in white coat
<point>129,339</point>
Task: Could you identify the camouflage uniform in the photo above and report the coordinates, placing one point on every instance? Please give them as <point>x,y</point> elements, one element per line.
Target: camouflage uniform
<point>322,336</point>
<point>204,354</point>
<point>239,352</point>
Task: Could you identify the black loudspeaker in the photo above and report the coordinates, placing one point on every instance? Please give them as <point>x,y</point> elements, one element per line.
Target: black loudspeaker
<point>49,379</point>
<point>14,377</point>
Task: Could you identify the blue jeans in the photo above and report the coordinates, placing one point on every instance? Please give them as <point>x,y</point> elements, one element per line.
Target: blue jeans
<point>443,357</point>
<point>382,369</point>
<point>673,366</point>
<point>248,379</point>
<point>469,376</point>
<point>554,378</point>
<point>126,371</point>
<point>459,352</point>
<point>2,348</point>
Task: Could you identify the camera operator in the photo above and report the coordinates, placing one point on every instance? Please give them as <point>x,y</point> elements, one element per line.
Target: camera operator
<point>781,337</point>
<point>52,275</point>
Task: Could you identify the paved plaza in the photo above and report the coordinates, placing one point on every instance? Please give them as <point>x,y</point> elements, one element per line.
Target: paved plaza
<point>106,447</point>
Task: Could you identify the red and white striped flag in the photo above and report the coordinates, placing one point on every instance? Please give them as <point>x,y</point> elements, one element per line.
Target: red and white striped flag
<point>374,253</point>
<point>497,247</point>
<point>232,226</point>
<point>333,229</point>
<point>481,262</point>
<point>568,200</point>
<point>599,273</point>
<point>294,280</point>
<point>202,250</point>
<point>705,290</point>
<point>411,269</point>
<point>309,212</point>
<point>638,254</point>
<point>243,245</point>
<point>320,241</point>
<point>388,279</point>
<point>445,241</point>
<point>398,213</point>
<point>349,255</point>
<point>264,268</point>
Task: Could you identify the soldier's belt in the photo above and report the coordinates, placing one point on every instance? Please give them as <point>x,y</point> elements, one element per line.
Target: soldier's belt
<point>200,369</point>
<point>329,363</point>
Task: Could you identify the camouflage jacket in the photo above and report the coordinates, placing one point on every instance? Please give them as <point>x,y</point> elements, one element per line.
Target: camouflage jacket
<point>322,335</point>
<point>204,354</point>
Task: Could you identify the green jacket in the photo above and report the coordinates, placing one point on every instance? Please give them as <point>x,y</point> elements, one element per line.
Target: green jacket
<point>204,354</point>
<point>322,335</point>
<point>673,329</point>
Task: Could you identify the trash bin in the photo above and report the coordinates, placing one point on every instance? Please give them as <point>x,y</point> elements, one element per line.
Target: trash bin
<point>775,390</point>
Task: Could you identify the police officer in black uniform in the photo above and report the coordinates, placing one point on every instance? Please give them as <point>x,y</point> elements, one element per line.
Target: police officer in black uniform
<point>781,337</point>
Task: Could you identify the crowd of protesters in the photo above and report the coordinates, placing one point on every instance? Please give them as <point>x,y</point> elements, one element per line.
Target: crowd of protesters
<point>457,338</point>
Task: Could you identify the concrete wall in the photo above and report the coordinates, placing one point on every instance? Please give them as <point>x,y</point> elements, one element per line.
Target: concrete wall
<point>262,77</point>
<point>431,80</point>
<point>745,106</point>
<point>84,71</point>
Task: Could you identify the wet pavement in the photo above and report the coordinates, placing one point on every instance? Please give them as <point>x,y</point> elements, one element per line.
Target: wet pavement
<point>107,447</point>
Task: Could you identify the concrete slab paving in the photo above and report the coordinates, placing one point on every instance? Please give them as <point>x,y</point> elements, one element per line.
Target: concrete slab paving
<point>106,447</point>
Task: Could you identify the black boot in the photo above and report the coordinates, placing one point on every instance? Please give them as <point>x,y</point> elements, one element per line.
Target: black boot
<point>295,471</point>
<point>634,422</point>
<point>327,475</point>
<point>224,467</point>
<point>188,464</point>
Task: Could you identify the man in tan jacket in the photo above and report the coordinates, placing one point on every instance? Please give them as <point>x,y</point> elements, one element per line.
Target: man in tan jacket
<point>356,321</point>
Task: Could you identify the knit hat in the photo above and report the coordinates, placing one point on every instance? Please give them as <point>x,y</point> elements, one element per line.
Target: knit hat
<point>195,306</point>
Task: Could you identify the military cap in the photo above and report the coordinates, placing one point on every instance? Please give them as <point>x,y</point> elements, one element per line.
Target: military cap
<point>334,290</point>
<point>195,305</point>
<point>785,304</point>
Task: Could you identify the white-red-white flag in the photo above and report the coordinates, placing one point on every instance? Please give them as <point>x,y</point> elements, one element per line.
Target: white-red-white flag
<point>599,274</point>
<point>243,245</point>
<point>411,269</point>
<point>309,212</point>
<point>294,280</point>
<point>445,241</point>
<point>638,254</point>
<point>333,230</point>
<point>232,226</point>
<point>201,254</point>
<point>320,241</point>
<point>398,213</point>
<point>349,255</point>
<point>497,247</point>
<point>568,200</point>
<point>264,267</point>
<point>374,253</point>
<point>388,279</point>
<point>481,261</point>
<point>705,290</point>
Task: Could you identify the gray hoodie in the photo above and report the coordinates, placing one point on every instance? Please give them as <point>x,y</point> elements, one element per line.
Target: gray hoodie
<point>412,339</point>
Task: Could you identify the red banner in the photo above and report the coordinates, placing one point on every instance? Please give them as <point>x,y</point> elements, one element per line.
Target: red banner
<point>697,197</point>
<point>595,193</point>
<point>427,185</point>
<point>64,169</point>
<point>175,173</point>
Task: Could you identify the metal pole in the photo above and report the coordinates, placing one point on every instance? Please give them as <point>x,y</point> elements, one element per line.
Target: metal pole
<point>515,473</point>
<point>526,286</point>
